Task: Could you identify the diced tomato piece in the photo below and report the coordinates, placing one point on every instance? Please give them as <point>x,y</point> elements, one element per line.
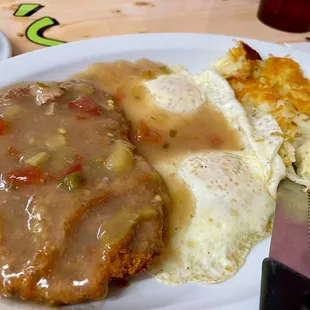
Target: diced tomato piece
<point>25,175</point>
<point>73,168</point>
<point>3,126</point>
<point>84,104</point>
<point>146,134</point>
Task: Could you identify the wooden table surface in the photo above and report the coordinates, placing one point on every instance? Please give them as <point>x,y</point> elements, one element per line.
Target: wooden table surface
<point>70,20</point>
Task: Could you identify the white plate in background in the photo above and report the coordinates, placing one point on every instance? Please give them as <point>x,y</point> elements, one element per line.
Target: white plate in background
<point>194,51</point>
<point>5,47</point>
<point>302,46</point>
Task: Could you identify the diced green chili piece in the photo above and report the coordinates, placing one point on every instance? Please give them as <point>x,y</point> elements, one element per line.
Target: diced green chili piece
<point>124,220</point>
<point>72,181</point>
<point>38,159</point>
<point>121,160</point>
<point>42,85</point>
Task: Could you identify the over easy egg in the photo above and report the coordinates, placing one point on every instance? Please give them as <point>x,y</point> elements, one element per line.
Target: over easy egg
<point>233,192</point>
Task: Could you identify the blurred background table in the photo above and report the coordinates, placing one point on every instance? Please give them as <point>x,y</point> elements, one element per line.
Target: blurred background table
<point>81,19</point>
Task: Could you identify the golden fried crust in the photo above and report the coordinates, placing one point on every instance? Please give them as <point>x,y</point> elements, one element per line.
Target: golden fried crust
<point>124,260</point>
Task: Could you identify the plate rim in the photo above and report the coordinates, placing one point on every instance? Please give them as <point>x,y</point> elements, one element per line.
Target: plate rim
<point>7,48</point>
<point>59,55</point>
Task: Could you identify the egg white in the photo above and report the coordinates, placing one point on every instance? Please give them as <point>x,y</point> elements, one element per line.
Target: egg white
<point>234,191</point>
<point>175,93</point>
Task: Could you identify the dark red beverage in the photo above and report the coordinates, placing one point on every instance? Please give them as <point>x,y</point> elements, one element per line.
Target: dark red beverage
<point>286,15</point>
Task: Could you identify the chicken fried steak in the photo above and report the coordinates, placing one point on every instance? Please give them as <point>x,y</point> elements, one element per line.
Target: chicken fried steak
<point>77,206</point>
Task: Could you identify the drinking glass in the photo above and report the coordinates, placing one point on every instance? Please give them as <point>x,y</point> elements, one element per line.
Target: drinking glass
<point>286,15</point>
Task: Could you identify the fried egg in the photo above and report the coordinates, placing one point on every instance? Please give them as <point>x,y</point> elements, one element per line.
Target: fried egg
<point>175,93</point>
<point>234,192</point>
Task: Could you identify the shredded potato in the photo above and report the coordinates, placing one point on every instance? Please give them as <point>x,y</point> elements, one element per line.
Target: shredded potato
<point>275,85</point>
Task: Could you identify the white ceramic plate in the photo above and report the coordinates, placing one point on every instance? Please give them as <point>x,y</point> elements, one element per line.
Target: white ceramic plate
<point>302,46</point>
<point>5,47</point>
<point>194,51</point>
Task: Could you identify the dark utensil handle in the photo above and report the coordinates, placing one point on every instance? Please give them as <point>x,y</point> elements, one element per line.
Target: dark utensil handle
<point>283,288</point>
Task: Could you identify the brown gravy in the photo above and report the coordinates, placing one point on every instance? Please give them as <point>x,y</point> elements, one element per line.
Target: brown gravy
<point>205,129</point>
